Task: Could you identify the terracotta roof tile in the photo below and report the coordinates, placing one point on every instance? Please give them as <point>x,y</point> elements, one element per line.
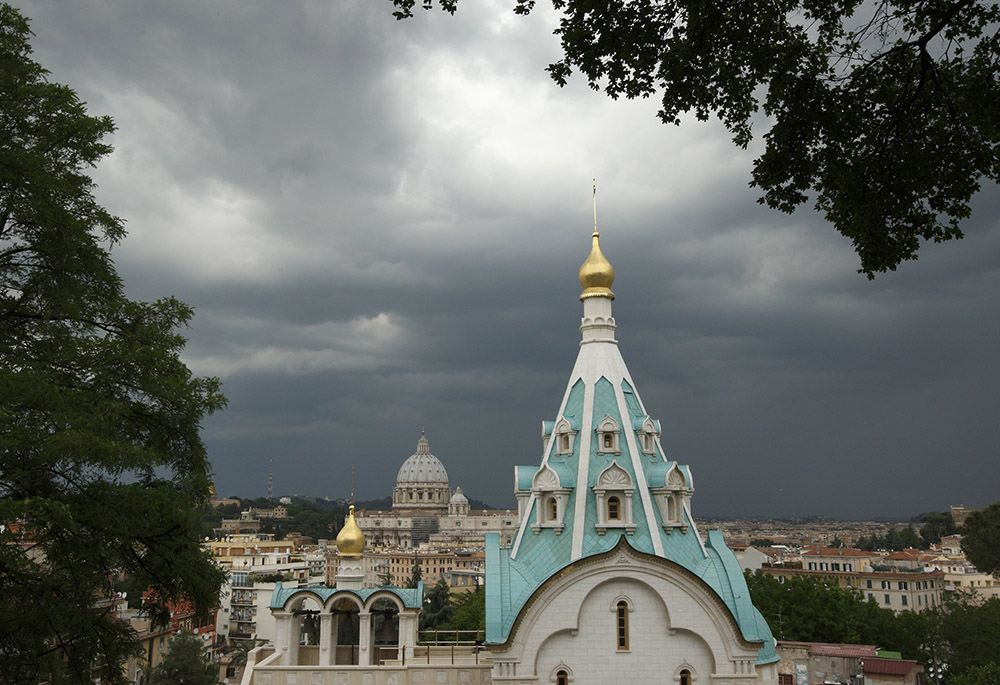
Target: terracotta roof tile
<point>836,552</point>
<point>889,666</point>
<point>858,651</point>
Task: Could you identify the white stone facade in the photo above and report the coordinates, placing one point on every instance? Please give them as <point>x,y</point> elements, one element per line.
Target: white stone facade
<point>675,623</point>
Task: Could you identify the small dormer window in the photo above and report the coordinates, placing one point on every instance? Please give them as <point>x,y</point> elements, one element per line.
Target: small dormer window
<point>607,436</point>
<point>647,430</point>
<point>550,504</point>
<point>614,491</point>
<point>565,433</point>
<point>614,509</point>
<point>673,499</point>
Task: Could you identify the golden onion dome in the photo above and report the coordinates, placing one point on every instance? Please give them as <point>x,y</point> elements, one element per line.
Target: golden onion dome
<point>596,273</point>
<point>350,540</point>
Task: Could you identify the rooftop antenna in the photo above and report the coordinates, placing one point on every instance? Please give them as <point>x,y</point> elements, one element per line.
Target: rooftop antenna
<point>270,479</point>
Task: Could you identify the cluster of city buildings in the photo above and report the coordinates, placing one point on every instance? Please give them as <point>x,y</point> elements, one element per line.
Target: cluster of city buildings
<point>907,580</point>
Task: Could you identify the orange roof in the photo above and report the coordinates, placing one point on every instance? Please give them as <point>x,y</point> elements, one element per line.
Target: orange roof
<point>816,550</point>
<point>889,666</point>
<point>905,555</point>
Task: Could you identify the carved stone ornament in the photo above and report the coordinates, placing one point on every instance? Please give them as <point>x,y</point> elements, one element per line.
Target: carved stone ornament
<point>614,477</point>
<point>546,479</point>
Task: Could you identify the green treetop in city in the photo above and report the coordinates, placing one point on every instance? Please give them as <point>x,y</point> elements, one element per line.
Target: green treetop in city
<point>101,462</point>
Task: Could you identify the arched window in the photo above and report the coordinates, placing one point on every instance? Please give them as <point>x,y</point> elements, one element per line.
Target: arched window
<point>564,443</point>
<point>608,440</point>
<point>614,509</point>
<point>553,508</point>
<point>622,615</point>
<point>562,678</point>
<point>685,677</point>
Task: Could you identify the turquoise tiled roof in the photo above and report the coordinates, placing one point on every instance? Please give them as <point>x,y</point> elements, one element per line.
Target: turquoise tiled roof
<point>410,597</point>
<point>511,580</point>
<point>599,387</point>
<point>523,476</point>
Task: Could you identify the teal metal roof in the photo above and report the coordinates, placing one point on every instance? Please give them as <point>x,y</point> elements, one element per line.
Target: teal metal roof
<point>600,387</point>
<point>410,597</point>
<point>514,575</point>
<point>523,476</point>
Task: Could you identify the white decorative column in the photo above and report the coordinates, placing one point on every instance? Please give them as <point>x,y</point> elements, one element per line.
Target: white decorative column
<point>327,643</point>
<point>283,638</point>
<point>364,637</point>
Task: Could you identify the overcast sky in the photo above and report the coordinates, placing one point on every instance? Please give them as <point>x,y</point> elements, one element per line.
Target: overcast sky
<point>380,223</point>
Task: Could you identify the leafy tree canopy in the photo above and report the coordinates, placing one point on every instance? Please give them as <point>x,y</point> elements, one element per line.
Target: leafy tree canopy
<point>438,607</point>
<point>962,633</point>
<point>894,539</point>
<point>101,463</point>
<point>185,664</point>
<point>469,611</point>
<point>805,608</point>
<point>936,525</point>
<point>987,674</point>
<point>972,631</point>
<point>416,574</point>
<point>981,538</point>
<point>882,114</point>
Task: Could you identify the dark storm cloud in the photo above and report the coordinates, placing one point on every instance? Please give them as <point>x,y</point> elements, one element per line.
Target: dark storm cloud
<point>379,225</point>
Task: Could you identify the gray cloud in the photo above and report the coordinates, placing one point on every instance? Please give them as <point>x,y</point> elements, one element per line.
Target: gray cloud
<point>379,225</point>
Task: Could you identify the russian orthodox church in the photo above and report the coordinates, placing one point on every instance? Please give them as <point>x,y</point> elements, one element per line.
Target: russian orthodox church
<point>607,577</point>
<point>604,579</point>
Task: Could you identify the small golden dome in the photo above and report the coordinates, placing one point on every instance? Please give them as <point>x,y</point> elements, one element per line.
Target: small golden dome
<point>350,540</point>
<point>596,273</point>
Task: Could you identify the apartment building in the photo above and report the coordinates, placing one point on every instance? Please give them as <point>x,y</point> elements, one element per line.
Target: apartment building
<point>890,588</point>
<point>395,567</point>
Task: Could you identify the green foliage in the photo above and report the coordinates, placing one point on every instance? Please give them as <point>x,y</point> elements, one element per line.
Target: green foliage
<point>101,462</point>
<point>804,608</point>
<point>438,608</point>
<point>762,542</point>
<point>936,526</point>
<point>416,575</point>
<point>961,633</point>
<point>972,632</point>
<point>316,520</point>
<point>894,539</point>
<point>239,654</point>
<point>883,115</point>
<point>987,674</point>
<point>185,664</point>
<point>981,538</point>
<point>469,611</point>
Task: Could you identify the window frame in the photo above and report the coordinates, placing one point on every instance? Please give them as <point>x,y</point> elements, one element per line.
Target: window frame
<point>621,626</point>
